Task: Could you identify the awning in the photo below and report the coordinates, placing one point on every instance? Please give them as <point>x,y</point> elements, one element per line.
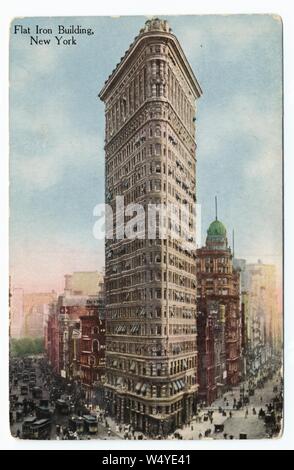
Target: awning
<point>119,381</point>
<point>114,364</point>
<point>133,366</point>
<point>138,386</point>
<point>176,387</point>
<point>179,385</point>
<point>143,389</point>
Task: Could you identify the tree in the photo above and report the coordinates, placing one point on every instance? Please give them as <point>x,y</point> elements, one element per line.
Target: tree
<point>26,346</point>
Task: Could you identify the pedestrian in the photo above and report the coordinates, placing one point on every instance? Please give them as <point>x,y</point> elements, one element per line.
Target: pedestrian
<point>109,432</point>
<point>231,414</point>
<point>246,413</point>
<point>200,436</point>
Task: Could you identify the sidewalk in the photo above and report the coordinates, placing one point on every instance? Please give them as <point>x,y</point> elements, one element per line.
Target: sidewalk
<point>240,422</point>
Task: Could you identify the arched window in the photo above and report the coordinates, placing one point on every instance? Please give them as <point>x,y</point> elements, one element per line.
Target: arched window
<point>95,346</point>
<point>158,132</point>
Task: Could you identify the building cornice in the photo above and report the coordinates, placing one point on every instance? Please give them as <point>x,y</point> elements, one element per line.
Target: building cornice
<point>139,42</point>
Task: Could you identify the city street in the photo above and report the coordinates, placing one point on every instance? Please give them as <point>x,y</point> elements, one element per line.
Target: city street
<point>57,419</point>
<point>221,420</point>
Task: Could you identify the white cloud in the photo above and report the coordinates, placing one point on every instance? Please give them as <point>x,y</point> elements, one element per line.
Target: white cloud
<point>27,61</point>
<point>231,34</point>
<point>45,146</point>
<point>242,119</point>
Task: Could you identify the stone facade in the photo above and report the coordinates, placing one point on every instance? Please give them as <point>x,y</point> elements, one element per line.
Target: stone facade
<point>150,284</point>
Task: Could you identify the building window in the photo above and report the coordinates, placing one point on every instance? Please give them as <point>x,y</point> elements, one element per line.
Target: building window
<point>92,360</point>
<point>157,132</point>
<point>157,149</point>
<point>95,346</point>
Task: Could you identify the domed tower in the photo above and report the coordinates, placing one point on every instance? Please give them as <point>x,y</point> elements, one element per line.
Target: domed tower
<point>217,236</point>
<point>218,314</point>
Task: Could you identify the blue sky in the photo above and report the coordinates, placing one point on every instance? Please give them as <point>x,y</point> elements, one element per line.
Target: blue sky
<point>57,132</point>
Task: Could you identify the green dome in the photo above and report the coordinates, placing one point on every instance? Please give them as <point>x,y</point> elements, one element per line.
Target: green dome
<point>217,229</point>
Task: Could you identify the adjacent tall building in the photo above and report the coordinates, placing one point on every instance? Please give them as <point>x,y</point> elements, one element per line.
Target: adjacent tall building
<point>219,317</point>
<point>150,158</point>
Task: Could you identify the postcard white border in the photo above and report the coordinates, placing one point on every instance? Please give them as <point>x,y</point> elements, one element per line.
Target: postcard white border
<point>15,8</point>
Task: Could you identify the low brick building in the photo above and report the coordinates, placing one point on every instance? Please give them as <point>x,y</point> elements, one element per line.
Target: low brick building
<point>92,351</point>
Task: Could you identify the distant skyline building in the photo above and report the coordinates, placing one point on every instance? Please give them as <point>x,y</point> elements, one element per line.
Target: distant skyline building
<point>29,312</point>
<point>36,311</point>
<point>83,297</point>
<point>265,319</point>
<point>84,283</point>
<point>150,158</point>
<point>16,312</point>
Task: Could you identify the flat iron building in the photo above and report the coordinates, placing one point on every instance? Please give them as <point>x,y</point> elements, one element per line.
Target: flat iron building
<point>150,158</point>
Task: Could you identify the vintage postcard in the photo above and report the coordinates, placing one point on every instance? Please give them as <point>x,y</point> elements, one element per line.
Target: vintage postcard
<point>146,227</point>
